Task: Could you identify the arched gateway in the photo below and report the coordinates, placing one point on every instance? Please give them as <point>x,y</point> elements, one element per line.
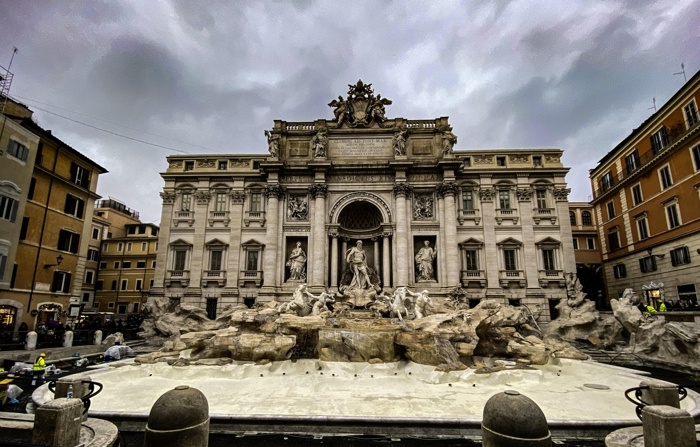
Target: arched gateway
<point>425,216</point>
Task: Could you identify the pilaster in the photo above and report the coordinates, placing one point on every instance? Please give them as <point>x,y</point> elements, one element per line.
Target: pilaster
<point>448,190</point>
<point>401,190</point>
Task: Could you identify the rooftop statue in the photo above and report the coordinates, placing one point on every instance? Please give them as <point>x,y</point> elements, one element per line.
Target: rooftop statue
<point>362,108</point>
<point>273,143</point>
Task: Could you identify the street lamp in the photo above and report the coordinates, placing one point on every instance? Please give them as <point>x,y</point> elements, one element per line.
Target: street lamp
<point>59,259</point>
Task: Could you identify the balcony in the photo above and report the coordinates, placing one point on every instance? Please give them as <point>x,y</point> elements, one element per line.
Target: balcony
<point>507,214</point>
<point>469,215</point>
<point>255,217</point>
<point>548,278</point>
<point>539,214</point>
<point>214,276</point>
<point>250,277</point>
<point>219,216</point>
<point>183,217</point>
<point>473,277</point>
<point>181,277</point>
<point>512,277</point>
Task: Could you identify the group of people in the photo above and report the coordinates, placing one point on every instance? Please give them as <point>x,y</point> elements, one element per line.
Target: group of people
<point>666,306</point>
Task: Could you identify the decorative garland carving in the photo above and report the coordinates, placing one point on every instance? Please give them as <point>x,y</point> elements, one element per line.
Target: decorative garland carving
<point>483,159</point>
<point>519,158</point>
<point>206,163</point>
<point>239,163</point>
<point>202,197</point>
<point>237,197</point>
<point>551,158</point>
<point>524,194</point>
<point>487,194</point>
<point>176,164</point>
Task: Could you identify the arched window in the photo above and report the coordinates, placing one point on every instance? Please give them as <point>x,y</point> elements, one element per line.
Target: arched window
<point>572,217</point>
<point>586,218</point>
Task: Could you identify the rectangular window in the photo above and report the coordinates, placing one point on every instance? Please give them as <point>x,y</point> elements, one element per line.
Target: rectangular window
<point>103,265</point>
<point>575,240</point>
<point>256,202</point>
<point>121,308</point>
<point>99,284</point>
<point>647,264</point>
<point>642,228</point>
<point>467,162</point>
<point>125,284</point>
<point>222,165</point>
<point>541,196</point>
<point>23,230</point>
<point>611,209</point>
<point>665,177</point>
<point>8,208</point>
<point>186,202</point>
<point>659,140</point>
<point>144,246</point>
<point>95,233</point>
<point>74,206</point>
<point>153,264</point>
<point>105,247</point>
<point>211,308</point>
<point>179,259</point>
<point>129,246</point>
<point>32,186</point>
<point>468,200</point>
<point>139,282</point>
<point>252,261</point>
<point>591,243</point>
<point>632,162</point>
<point>221,201</point>
<point>89,276</point>
<point>92,254</point>
<point>150,284</point>
<point>117,264</point>
<point>120,247</point>
<point>606,181</point>
<point>537,161</point>
<point>189,166</point>
<point>500,161</point>
<point>136,308</point>
<point>215,260</point>
<point>619,271</point>
<point>504,200</point>
<point>61,282</point>
<point>140,264</point>
<point>114,284</point>
<point>548,259</point>
<point>126,264</point>
<point>696,157</point>
<point>17,150</point>
<point>691,114</point>
<point>637,194</point>
<point>686,293</point>
<point>613,240</point>
<point>68,241</point>
<point>3,264</point>
<point>672,216</point>
<point>509,259</point>
<point>472,260</point>
<point>79,175</point>
<point>680,256</point>
<point>110,305</point>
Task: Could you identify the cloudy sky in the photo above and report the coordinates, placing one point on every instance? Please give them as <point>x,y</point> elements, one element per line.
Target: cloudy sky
<point>210,77</point>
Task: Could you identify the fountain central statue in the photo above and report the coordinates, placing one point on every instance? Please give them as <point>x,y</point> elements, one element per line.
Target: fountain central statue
<point>360,282</point>
<point>357,262</point>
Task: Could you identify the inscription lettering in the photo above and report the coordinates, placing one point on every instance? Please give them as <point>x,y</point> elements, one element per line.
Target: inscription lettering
<point>360,178</point>
<point>360,147</point>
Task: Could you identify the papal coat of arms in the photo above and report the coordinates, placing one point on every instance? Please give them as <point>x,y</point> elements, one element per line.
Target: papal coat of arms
<point>361,108</point>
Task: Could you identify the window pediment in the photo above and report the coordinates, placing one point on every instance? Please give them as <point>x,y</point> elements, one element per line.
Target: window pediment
<point>548,242</point>
<point>471,243</point>
<point>180,243</point>
<point>252,243</point>
<point>215,243</point>
<point>509,243</point>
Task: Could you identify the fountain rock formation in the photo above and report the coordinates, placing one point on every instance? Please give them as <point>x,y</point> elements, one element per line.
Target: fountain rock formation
<point>310,326</point>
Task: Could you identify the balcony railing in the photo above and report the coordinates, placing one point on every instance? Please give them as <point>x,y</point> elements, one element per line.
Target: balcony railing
<point>177,276</point>
<point>473,277</point>
<point>250,277</point>
<point>183,216</point>
<point>219,216</point>
<point>544,213</point>
<point>469,215</point>
<point>254,216</point>
<point>551,276</point>
<point>506,214</point>
<point>214,276</point>
<point>508,277</point>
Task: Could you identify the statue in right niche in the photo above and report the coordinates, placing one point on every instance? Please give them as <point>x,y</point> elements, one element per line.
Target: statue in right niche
<point>424,262</point>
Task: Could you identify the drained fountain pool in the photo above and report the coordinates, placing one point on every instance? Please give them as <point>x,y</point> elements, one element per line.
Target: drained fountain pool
<point>312,397</point>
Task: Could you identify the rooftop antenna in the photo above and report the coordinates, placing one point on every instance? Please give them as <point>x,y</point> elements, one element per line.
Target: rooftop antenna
<point>654,106</point>
<point>6,81</point>
<point>682,72</point>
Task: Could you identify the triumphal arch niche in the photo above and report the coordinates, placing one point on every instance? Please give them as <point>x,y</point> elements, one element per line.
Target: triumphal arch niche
<point>359,204</point>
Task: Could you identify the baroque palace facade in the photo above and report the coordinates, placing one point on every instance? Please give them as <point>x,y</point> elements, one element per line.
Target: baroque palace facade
<point>247,228</point>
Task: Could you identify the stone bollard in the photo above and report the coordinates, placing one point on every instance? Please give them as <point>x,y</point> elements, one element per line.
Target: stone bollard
<point>57,423</point>
<point>514,420</point>
<point>30,343</point>
<point>179,418</point>
<point>80,389</point>
<point>98,338</point>
<point>666,426</point>
<point>660,393</point>
<point>68,339</point>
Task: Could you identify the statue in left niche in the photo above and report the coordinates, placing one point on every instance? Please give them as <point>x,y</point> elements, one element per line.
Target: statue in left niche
<point>449,140</point>
<point>273,143</point>
<point>399,142</point>
<point>297,264</point>
<point>319,143</point>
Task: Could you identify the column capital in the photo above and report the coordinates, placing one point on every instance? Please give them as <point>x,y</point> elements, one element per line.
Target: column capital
<point>275,190</point>
<point>561,194</point>
<point>402,189</point>
<point>237,197</point>
<point>168,197</point>
<point>487,194</point>
<point>318,190</point>
<point>524,194</point>
<point>202,197</point>
<point>447,189</point>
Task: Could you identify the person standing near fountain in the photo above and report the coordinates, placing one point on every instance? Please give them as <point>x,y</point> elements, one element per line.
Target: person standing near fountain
<point>357,263</point>
<point>424,262</point>
<point>297,264</point>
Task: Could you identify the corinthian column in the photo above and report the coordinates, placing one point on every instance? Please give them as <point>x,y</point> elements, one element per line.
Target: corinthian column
<point>318,272</point>
<point>274,193</point>
<point>401,190</point>
<point>448,190</point>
